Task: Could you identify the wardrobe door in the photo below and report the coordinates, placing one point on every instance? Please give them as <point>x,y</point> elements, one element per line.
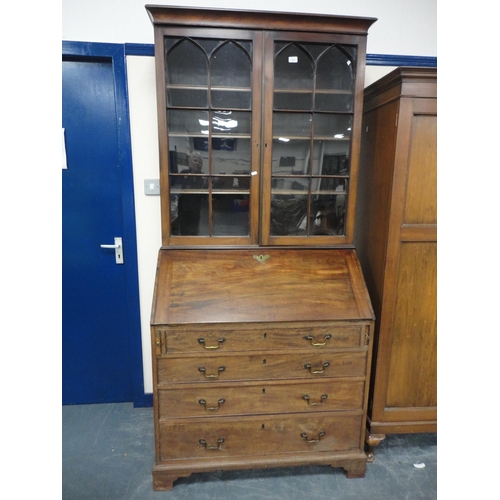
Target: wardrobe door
<point>406,378</point>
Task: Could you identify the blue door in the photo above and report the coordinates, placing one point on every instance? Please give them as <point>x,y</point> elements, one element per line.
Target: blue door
<point>102,359</point>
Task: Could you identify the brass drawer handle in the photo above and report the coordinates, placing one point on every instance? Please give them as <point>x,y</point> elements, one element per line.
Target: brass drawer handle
<point>219,342</point>
<point>203,370</point>
<point>305,397</point>
<point>326,364</point>
<point>320,435</point>
<point>211,408</point>
<point>217,447</point>
<point>318,344</point>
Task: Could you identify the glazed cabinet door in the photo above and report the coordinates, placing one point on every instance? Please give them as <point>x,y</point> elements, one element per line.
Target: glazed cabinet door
<point>209,144</point>
<point>313,99</point>
<point>259,135</point>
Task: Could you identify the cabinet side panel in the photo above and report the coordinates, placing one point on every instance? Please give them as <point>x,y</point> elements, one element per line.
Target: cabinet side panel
<point>413,365</point>
<point>374,196</point>
<point>421,196</point>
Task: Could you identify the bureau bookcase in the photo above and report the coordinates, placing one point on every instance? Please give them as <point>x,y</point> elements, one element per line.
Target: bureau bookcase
<point>262,327</point>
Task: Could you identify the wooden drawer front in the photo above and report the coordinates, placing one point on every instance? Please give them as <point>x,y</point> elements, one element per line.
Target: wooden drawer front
<point>227,437</point>
<point>207,341</point>
<point>261,366</point>
<point>205,400</point>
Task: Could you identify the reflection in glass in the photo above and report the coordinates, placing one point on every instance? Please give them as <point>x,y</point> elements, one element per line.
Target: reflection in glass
<point>188,196</point>
<point>331,158</point>
<point>332,126</point>
<point>290,156</point>
<point>231,183</point>
<point>288,215</point>
<point>231,156</point>
<point>194,123</point>
<point>327,215</point>
<point>231,123</point>
<point>230,215</point>
<point>329,184</point>
<point>189,214</point>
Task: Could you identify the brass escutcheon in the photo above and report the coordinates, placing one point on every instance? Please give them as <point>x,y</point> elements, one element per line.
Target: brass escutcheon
<point>261,258</point>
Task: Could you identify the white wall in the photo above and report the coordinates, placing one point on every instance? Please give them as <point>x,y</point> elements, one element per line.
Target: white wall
<point>403,28</point>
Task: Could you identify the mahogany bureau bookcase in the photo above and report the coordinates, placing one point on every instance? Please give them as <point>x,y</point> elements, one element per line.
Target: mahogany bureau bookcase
<point>262,327</point>
<point>396,239</point>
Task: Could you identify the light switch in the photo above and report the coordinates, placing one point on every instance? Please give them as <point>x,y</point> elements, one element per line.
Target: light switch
<point>151,186</point>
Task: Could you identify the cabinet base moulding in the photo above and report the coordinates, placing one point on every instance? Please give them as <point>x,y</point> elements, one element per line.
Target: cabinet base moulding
<point>166,473</point>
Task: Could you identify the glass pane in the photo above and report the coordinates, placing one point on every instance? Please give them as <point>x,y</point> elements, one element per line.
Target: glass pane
<point>288,213</point>
<point>292,126</point>
<point>328,215</point>
<point>300,101</point>
<point>231,183</point>
<point>187,123</point>
<point>189,205</point>
<point>331,126</point>
<point>288,185</point>
<point>231,123</point>
<point>235,99</point>
<point>230,66</point>
<point>290,156</point>
<point>231,156</point>
<point>331,157</point>
<point>335,70</point>
<point>293,69</point>
<point>331,101</point>
<point>186,64</point>
<point>187,98</point>
<point>186,129</point>
<point>329,185</point>
<point>230,215</point>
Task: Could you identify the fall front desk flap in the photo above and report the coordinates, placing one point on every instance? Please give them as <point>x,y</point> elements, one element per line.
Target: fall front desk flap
<point>258,285</point>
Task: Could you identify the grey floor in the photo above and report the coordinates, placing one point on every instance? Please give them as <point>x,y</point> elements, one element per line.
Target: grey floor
<point>108,450</point>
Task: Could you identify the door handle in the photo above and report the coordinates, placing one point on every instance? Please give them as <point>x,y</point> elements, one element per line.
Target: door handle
<point>118,250</point>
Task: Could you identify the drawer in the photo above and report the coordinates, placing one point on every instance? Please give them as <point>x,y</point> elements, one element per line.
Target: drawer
<point>223,338</point>
<point>230,436</point>
<point>202,400</point>
<point>261,366</point>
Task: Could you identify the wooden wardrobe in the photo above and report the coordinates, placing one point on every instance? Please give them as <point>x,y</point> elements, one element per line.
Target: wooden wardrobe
<point>396,240</point>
